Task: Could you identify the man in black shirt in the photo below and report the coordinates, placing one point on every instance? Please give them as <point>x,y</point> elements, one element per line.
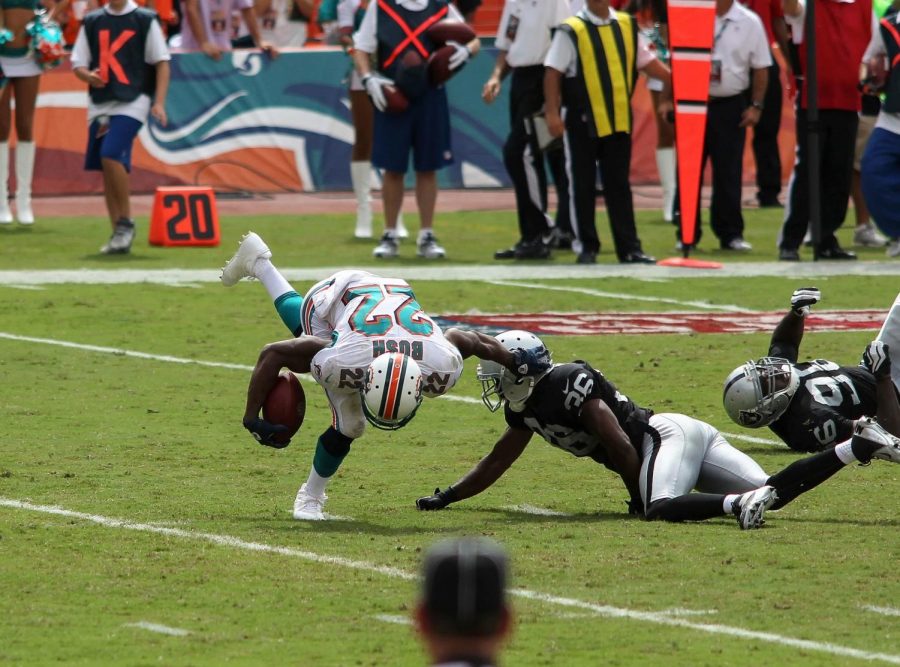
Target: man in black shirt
<point>661,458</point>
<point>811,405</point>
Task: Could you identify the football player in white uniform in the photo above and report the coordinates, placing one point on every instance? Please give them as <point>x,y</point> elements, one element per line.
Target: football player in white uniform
<point>661,458</point>
<point>814,404</point>
<point>369,345</point>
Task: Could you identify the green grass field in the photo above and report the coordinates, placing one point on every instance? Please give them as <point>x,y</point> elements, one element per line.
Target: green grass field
<point>140,524</point>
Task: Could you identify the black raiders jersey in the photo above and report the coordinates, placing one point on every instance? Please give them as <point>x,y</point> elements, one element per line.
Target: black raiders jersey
<point>827,402</point>
<point>553,410</point>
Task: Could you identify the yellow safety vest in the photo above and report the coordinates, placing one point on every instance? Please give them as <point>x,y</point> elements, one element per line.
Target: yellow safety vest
<point>607,56</point>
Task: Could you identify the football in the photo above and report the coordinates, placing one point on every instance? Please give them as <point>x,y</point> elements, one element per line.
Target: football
<point>396,101</point>
<point>285,405</point>
<point>450,31</point>
<point>439,65</point>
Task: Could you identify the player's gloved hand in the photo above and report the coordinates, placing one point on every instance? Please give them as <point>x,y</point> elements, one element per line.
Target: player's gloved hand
<point>264,432</point>
<point>636,507</point>
<point>877,359</point>
<point>374,85</point>
<point>460,55</point>
<point>438,501</point>
<point>803,298</point>
<point>531,362</point>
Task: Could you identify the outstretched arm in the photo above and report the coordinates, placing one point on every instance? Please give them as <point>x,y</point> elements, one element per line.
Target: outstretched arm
<point>877,360</point>
<point>477,344</point>
<point>789,332</point>
<point>487,471</point>
<point>597,418</point>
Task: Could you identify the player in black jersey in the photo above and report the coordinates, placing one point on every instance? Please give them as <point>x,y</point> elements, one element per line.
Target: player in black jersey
<point>814,404</point>
<point>661,458</point>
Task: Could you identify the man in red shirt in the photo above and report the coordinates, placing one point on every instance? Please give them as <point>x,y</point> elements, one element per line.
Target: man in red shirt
<point>843,30</point>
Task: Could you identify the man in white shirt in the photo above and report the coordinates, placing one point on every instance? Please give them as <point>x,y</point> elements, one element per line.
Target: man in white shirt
<point>737,89</point>
<point>126,84</point>
<point>523,39</point>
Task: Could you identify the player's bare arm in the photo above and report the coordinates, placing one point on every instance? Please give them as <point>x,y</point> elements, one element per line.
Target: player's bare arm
<point>877,360</point>
<point>487,471</point>
<point>597,418</point>
<point>295,354</point>
<point>488,348</point>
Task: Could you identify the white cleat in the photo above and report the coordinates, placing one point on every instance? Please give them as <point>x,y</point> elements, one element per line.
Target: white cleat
<point>6,215</point>
<point>429,248</point>
<point>868,237</point>
<point>251,248</point>
<point>308,507</point>
<point>751,507</point>
<point>24,214</point>
<point>888,446</point>
<point>387,247</point>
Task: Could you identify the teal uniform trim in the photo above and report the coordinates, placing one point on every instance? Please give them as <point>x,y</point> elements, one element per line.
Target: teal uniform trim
<point>290,306</point>
<point>14,51</point>
<point>33,5</point>
<point>326,464</point>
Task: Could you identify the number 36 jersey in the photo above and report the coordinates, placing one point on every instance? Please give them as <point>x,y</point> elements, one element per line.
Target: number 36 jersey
<point>827,402</point>
<point>365,316</point>
<point>553,410</point>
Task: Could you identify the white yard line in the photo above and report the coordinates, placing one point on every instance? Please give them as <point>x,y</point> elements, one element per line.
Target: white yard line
<point>704,305</point>
<point>884,611</point>
<point>606,611</point>
<point>531,509</point>
<point>791,270</point>
<point>391,618</point>
<point>156,627</point>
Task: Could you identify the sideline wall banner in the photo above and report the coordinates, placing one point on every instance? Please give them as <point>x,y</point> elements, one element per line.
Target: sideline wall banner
<point>247,123</point>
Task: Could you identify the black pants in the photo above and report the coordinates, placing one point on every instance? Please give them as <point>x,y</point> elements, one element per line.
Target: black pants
<point>837,139</point>
<point>524,163</point>
<point>613,154</point>
<point>765,141</point>
<point>723,145</point>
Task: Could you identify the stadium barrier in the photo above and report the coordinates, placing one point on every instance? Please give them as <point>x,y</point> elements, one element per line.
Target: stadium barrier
<point>250,124</point>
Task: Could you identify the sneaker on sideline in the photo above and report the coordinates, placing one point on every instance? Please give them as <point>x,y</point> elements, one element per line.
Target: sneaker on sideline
<point>428,247</point>
<point>387,247</point>
<point>868,237</point>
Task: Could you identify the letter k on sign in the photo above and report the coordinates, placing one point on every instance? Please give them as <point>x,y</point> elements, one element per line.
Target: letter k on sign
<point>108,60</point>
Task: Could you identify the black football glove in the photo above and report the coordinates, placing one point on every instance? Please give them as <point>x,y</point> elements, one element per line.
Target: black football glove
<point>438,501</point>
<point>877,359</point>
<point>264,432</point>
<point>530,362</point>
<point>803,298</point>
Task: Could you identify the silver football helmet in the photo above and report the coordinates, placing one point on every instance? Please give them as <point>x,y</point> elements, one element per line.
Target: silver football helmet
<point>758,393</point>
<point>393,391</point>
<point>498,383</point>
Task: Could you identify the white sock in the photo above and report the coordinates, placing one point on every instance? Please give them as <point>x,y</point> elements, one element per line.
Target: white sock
<point>423,233</point>
<point>271,278</point>
<point>315,484</point>
<point>844,452</point>
<point>729,502</point>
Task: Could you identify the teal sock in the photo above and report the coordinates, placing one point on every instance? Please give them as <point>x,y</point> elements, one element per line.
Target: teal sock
<point>324,463</point>
<point>290,307</point>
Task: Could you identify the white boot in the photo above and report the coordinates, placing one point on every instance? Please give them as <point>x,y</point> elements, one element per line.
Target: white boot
<point>24,173</point>
<point>402,232</point>
<point>665,164</point>
<point>5,214</point>
<point>360,177</point>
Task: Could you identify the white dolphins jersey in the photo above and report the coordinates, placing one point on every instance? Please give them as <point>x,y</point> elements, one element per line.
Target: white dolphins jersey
<point>365,316</point>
